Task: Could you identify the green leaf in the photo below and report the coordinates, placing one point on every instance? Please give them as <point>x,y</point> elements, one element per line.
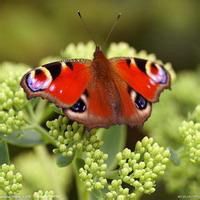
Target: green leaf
<point>114,140</point>
<point>25,138</point>
<point>63,161</point>
<point>4,154</point>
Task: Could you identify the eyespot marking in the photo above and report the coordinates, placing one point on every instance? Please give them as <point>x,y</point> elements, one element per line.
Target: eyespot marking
<point>38,80</point>
<point>154,69</point>
<point>79,106</point>
<point>157,73</point>
<point>140,102</point>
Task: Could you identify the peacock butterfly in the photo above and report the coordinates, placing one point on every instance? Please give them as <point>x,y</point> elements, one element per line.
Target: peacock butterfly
<point>100,92</point>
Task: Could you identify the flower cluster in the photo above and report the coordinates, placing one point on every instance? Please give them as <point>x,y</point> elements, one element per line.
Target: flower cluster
<point>94,170</point>
<point>72,138</point>
<point>12,98</point>
<point>79,51</point>
<point>181,133</point>
<point>41,195</point>
<point>190,132</point>
<point>68,138</point>
<point>10,181</point>
<point>139,169</point>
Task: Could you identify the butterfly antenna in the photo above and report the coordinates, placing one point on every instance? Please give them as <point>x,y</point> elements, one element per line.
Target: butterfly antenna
<point>86,27</point>
<point>112,28</point>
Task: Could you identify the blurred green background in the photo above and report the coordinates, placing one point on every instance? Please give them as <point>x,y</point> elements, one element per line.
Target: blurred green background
<point>31,30</point>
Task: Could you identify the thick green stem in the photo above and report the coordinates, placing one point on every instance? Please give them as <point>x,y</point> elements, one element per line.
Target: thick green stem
<point>42,111</point>
<point>4,153</point>
<point>30,113</point>
<point>83,194</point>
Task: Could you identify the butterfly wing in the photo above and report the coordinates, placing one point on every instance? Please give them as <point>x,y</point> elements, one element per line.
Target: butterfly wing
<point>60,82</point>
<point>147,78</point>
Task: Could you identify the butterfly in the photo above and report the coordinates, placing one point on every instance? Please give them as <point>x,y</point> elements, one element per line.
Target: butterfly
<point>100,92</point>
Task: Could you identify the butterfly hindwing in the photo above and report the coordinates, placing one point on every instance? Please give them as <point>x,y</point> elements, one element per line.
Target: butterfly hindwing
<point>145,77</point>
<point>60,82</point>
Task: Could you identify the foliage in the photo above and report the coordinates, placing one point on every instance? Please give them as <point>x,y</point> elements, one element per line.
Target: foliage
<point>103,168</point>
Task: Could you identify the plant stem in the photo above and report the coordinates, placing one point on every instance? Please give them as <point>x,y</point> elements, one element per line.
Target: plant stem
<point>44,133</point>
<point>40,111</point>
<point>4,153</point>
<point>83,194</point>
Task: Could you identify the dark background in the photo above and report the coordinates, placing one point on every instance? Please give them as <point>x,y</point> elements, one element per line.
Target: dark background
<point>31,30</point>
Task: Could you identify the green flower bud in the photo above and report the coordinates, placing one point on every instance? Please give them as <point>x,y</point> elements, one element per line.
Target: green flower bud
<point>139,169</point>
<point>10,180</point>
<point>190,132</point>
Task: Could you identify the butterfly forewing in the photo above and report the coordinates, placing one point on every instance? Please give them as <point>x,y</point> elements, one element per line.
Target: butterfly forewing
<point>145,77</point>
<point>60,82</point>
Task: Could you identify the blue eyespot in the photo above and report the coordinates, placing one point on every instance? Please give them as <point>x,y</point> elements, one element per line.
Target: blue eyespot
<point>141,102</point>
<point>32,84</point>
<point>79,106</point>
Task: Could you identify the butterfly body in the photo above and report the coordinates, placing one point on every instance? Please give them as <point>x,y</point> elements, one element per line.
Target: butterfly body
<point>100,92</point>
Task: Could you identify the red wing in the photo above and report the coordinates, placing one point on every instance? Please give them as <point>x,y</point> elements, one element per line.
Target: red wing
<point>145,77</point>
<point>60,82</point>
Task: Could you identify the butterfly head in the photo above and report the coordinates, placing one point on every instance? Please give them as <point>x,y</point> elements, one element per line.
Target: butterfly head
<point>99,55</point>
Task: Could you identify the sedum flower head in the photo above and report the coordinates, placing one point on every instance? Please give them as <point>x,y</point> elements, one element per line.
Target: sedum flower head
<point>12,98</point>
<point>94,170</point>
<point>68,137</point>
<point>72,138</point>
<point>190,132</point>
<point>139,169</point>
<point>43,195</point>
<point>10,180</point>
<point>80,50</point>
